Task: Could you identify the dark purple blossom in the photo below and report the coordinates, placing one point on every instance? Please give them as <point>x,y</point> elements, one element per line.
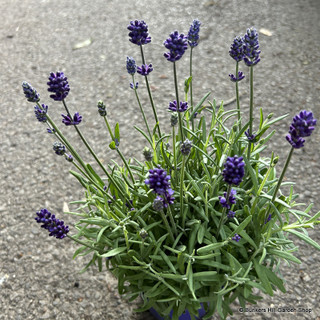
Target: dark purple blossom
<point>145,69</point>
<point>236,49</point>
<point>236,237</point>
<point>139,32</point>
<point>177,44</point>
<point>231,214</point>
<point>173,106</point>
<point>250,137</point>
<point>69,157</point>
<point>134,86</point>
<point>131,66</point>
<point>158,180</point>
<point>41,112</point>
<point>233,78</point>
<point>30,92</point>
<point>268,218</point>
<point>233,170</point>
<point>158,204</point>
<point>228,203</point>
<point>251,47</point>
<point>58,84</point>
<point>193,34</point>
<point>185,147</point>
<point>102,108</point>
<point>302,126</point>
<point>68,121</point>
<point>51,130</point>
<point>49,222</point>
<point>59,148</point>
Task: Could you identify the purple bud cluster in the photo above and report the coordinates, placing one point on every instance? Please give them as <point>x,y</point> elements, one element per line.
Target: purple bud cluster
<point>59,148</point>
<point>139,32</point>
<point>236,237</point>
<point>41,112</point>
<point>251,47</point>
<point>185,147</point>
<point>131,66</point>
<point>49,222</point>
<point>240,76</point>
<point>68,120</point>
<point>159,182</point>
<point>227,203</point>
<point>233,170</point>
<point>173,106</point>
<point>177,44</point>
<point>193,34</point>
<point>102,108</point>
<point>251,137</point>
<point>58,84</point>
<point>236,49</point>
<point>302,126</point>
<point>30,92</point>
<point>145,69</point>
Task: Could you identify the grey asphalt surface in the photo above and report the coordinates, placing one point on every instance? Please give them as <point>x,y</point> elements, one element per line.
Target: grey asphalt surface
<point>38,278</point>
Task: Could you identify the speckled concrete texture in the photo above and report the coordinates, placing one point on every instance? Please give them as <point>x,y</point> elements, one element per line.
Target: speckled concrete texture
<point>38,278</point>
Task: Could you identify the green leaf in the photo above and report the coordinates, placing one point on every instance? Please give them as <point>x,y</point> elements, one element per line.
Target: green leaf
<point>187,84</point>
<point>275,280</point>
<point>117,132</point>
<point>242,225</point>
<point>113,252</point>
<point>252,174</point>
<point>284,254</point>
<point>305,238</point>
<point>112,145</point>
<point>210,247</point>
<point>260,269</point>
<point>198,106</point>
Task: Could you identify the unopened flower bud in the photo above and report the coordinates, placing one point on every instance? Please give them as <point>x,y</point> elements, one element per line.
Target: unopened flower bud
<point>143,233</point>
<point>147,154</point>
<point>102,108</point>
<point>174,119</point>
<point>59,148</point>
<point>270,116</point>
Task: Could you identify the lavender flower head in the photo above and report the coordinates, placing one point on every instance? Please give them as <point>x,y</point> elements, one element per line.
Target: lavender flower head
<point>193,34</point>
<point>250,137</point>
<point>173,106</point>
<point>240,76</point>
<point>236,237</point>
<point>177,44</point>
<point>251,47</point>
<point>185,147</point>
<point>41,112</point>
<point>59,148</point>
<point>158,180</point>
<point>30,92</point>
<point>233,170</point>
<point>102,108</point>
<point>68,121</point>
<point>158,204</point>
<point>138,32</point>
<point>145,69</point>
<point>58,84</point>
<point>227,203</point>
<point>302,126</point>
<point>231,214</point>
<point>131,66</point>
<point>49,222</point>
<point>236,49</point>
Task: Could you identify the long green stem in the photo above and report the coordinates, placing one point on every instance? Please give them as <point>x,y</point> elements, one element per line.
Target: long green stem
<point>181,192</point>
<point>237,95</point>
<point>251,111</point>
<point>223,212</point>
<point>127,165</point>
<point>150,95</point>
<point>94,155</point>
<point>191,92</point>
<point>141,109</point>
<point>177,98</point>
<point>82,242</point>
<point>164,218</point>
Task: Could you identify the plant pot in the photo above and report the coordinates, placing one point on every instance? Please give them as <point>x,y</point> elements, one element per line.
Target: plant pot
<point>184,316</point>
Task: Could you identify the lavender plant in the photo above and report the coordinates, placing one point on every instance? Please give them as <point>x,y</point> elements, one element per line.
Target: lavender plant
<point>203,220</point>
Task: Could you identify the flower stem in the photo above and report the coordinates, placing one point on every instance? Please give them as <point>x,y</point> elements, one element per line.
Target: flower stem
<point>181,192</point>
<point>177,98</point>
<point>237,95</point>
<point>82,242</point>
<point>191,95</point>
<point>251,111</point>
<point>141,109</point>
<point>150,95</point>
<point>223,212</point>
<point>164,218</point>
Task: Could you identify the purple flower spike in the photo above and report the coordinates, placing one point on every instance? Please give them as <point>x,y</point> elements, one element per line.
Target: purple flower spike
<point>131,66</point>
<point>227,203</point>
<point>177,44</point>
<point>41,113</point>
<point>173,106</point>
<point>134,86</point>
<point>193,34</point>
<point>30,92</point>
<point>251,47</point>
<point>302,126</point>
<point>250,137</point>
<point>58,84</point>
<point>236,238</point>
<point>158,180</point>
<point>59,148</point>
<point>185,147</point>
<point>233,170</point>
<point>138,32</point>
<point>236,49</point>
<point>145,69</point>
<point>54,226</point>
<point>231,214</point>
<point>233,78</point>
<point>68,121</point>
